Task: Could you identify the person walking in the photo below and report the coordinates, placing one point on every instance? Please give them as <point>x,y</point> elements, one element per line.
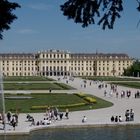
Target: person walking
<point>67,113</point>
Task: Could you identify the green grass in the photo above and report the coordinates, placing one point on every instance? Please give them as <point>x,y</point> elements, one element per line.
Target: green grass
<point>24,105</point>
<point>110,78</point>
<point>128,84</point>
<point>27,78</point>
<point>36,86</point>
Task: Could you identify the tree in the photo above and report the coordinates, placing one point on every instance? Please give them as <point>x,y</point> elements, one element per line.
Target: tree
<point>6,15</point>
<point>86,11</point>
<point>81,11</point>
<point>133,70</point>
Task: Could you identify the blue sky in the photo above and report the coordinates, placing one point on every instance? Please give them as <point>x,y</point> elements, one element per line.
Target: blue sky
<point>42,26</point>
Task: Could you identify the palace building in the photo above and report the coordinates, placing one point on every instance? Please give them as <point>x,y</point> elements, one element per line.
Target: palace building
<point>63,63</point>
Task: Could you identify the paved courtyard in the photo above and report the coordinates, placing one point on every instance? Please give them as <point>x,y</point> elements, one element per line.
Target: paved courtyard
<point>94,117</point>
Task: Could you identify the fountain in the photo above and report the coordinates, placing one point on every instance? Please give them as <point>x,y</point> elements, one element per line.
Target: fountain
<point>2,102</point>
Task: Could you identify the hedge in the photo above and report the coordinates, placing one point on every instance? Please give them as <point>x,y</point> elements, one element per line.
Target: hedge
<point>86,97</point>
<point>80,94</point>
<point>58,106</point>
<point>90,99</point>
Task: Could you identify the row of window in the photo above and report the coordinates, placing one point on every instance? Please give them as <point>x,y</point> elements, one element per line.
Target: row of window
<point>95,74</point>
<point>54,68</point>
<point>55,61</point>
<point>19,68</point>
<point>19,74</point>
<point>54,56</point>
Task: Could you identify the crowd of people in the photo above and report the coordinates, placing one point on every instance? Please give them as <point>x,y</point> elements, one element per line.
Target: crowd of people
<point>51,115</point>
<point>12,119</point>
<point>129,116</point>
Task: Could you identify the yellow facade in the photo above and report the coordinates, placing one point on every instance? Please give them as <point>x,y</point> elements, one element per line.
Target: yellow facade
<point>63,63</point>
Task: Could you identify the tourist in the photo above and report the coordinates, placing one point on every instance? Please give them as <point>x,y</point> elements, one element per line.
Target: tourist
<point>105,93</point>
<point>56,113</point>
<point>37,123</point>
<point>61,115</point>
<point>47,121</point>
<point>120,119</point>
<point>0,117</point>
<point>9,115</point>
<point>110,93</point>
<point>117,94</point>
<point>16,117</point>
<point>84,119</point>
<point>112,119</point>
<point>116,119</point>
<point>50,90</point>
<point>127,115</point>
<point>33,122</point>
<point>131,115</point>
<point>67,113</point>
<point>13,122</point>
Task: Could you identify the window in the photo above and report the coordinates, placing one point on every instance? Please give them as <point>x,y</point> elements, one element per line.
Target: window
<point>61,68</point>
<point>54,68</point>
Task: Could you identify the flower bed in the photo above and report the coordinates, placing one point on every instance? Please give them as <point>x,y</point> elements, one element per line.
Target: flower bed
<point>86,97</point>
<point>90,99</point>
<point>80,94</point>
<point>58,106</point>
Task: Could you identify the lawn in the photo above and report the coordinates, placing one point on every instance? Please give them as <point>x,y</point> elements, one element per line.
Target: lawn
<point>128,84</point>
<point>36,86</point>
<point>110,78</point>
<point>51,99</point>
<point>27,78</point>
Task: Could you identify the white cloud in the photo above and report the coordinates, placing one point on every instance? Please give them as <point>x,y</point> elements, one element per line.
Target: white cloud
<point>26,31</point>
<point>40,6</point>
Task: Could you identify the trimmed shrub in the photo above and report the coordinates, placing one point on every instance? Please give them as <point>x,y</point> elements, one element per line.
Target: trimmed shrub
<point>86,97</point>
<point>90,99</point>
<point>80,94</point>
